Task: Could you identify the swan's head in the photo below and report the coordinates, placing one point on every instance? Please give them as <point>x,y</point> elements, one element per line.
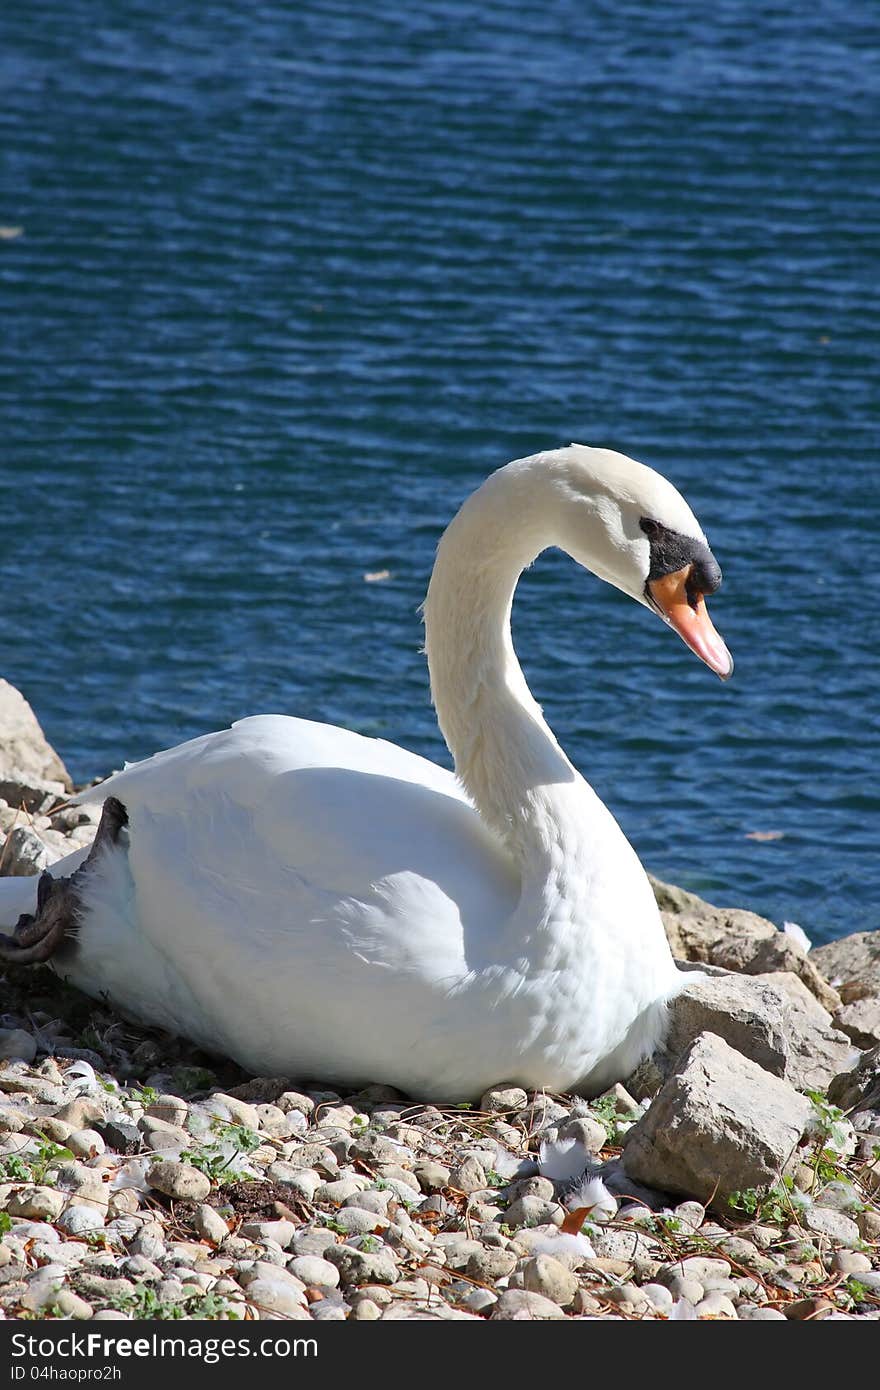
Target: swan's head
<point>632,528</point>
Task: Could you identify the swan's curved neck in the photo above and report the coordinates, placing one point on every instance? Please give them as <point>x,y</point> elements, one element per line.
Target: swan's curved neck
<point>505,754</point>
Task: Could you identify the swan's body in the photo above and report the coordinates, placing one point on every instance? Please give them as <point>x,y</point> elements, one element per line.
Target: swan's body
<point>317,904</point>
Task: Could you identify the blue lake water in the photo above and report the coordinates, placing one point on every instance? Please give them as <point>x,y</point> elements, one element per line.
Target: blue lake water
<point>291,279</point>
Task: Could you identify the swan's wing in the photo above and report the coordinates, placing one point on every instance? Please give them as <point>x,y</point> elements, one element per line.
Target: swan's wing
<point>315,842</point>
<point>255,749</point>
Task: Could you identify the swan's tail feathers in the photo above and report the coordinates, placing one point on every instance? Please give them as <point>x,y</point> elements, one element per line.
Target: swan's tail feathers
<point>39,933</point>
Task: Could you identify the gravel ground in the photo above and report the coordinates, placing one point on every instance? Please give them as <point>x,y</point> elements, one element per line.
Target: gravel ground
<point>140,1178</point>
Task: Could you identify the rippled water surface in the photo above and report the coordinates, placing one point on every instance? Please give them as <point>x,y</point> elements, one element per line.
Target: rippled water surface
<point>292,279</point>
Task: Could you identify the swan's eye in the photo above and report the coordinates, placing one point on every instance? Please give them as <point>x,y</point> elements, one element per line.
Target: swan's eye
<point>652,529</point>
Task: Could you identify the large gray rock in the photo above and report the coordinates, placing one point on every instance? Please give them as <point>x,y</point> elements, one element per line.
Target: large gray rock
<point>720,1124</point>
<point>735,939</point>
<point>748,1016</point>
<point>31,772</point>
<point>771,1019</point>
<point>852,964</point>
<point>817,1050</point>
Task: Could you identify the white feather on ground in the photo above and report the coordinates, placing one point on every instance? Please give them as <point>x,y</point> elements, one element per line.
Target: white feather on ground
<point>563,1243</point>
<point>510,1165</point>
<point>133,1173</point>
<point>563,1160</point>
<point>594,1195</point>
<point>83,1074</point>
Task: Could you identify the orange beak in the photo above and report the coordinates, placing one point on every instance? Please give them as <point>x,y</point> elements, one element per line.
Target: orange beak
<point>690,618</point>
<point>574,1220</point>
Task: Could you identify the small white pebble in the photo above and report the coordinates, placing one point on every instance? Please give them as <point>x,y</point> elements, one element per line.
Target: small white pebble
<point>659,1297</point>
<point>715,1305</point>
<point>86,1143</point>
<point>78,1218</point>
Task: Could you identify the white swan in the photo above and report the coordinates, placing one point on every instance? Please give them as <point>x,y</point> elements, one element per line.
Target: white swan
<point>316,904</point>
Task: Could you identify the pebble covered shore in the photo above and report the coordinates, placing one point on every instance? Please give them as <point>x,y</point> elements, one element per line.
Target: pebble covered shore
<point>735,1176</point>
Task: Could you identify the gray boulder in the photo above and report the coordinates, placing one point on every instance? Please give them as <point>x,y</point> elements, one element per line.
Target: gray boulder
<point>773,1020</point>
<point>720,1124</point>
<point>736,940</point>
<point>31,772</point>
<point>817,1050</point>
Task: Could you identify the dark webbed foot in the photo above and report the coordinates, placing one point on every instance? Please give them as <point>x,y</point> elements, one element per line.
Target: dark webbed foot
<point>38,936</point>
<point>114,818</point>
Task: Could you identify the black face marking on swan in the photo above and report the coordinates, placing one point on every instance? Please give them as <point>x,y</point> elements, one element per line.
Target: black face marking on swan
<point>671,551</point>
